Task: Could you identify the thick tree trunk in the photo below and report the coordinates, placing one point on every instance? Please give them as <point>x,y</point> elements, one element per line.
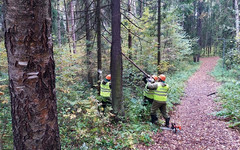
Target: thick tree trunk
<point>88,42</point>
<point>237,22</point>
<point>73,26</point>
<point>159,33</point>
<point>67,26</point>
<point>99,42</point>
<point>116,60</point>
<point>31,66</point>
<point>59,26</point>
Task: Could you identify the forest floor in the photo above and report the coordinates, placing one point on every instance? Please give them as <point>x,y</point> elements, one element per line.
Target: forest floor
<point>200,129</point>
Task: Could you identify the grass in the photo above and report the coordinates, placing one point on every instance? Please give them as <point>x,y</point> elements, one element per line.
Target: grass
<point>229,93</point>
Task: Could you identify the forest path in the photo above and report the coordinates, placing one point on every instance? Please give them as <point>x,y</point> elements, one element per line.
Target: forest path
<point>200,129</point>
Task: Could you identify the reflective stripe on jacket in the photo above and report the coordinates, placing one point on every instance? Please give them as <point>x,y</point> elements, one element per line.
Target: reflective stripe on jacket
<point>105,90</point>
<point>160,94</point>
<point>148,93</point>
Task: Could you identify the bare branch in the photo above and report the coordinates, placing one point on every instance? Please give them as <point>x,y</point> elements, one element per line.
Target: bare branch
<point>131,21</point>
<point>106,39</point>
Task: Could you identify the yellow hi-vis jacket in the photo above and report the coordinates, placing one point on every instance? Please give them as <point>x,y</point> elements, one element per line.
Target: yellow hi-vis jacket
<point>105,90</point>
<point>148,93</point>
<point>160,94</point>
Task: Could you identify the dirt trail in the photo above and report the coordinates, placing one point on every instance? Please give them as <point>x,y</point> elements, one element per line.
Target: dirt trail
<point>200,130</point>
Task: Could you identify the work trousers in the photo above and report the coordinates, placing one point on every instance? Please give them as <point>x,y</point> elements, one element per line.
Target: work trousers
<point>147,101</point>
<point>162,106</point>
<point>106,101</point>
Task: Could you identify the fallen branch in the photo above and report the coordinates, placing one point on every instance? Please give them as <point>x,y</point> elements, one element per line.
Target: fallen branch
<point>211,93</point>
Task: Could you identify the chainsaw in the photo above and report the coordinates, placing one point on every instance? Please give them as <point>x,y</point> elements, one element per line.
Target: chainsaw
<point>174,128</point>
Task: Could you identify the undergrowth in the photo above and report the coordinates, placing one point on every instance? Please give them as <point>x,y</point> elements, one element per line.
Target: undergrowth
<point>6,138</point>
<point>81,125</point>
<point>229,92</point>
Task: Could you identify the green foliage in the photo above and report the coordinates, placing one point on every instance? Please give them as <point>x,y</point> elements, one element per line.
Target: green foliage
<point>164,67</point>
<point>176,43</point>
<point>229,92</point>
<point>232,58</point>
<point>6,137</point>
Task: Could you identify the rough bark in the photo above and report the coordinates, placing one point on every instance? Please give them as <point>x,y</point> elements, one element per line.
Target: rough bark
<point>73,26</point>
<point>116,60</point>
<point>59,26</point>
<point>159,33</point>
<point>99,42</point>
<point>31,67</point>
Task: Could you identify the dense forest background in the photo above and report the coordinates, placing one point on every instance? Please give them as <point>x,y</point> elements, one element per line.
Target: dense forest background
<point>160,36</point>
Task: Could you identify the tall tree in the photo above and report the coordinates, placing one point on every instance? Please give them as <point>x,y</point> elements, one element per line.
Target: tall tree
<point>99,42</point>
<point>116,60</point>
<point>129,30</point>
<point>199,27</point>
<point>67,25</point>
<point>59,25</point>
<point>73,25</point>
<point>159,33</point>
<point>88,42</point>
<point>237,22</point>
<point>31,74</point>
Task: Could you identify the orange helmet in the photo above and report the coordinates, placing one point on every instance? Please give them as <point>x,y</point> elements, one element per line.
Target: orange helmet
<point>108,77</point>
<point>155,77</point>
<point>162,77</point>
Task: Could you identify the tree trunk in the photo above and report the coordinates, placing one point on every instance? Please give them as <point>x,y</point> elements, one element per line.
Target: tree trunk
<point>59,25</point>
<point>193,29</point>
<point>159,33</point>
<point>140,8</point>
<point>129,31</point>
<point>210,49</point>
<point>67,26</point>
<point>99,42</point>
<point>116,60</point>
<point>73,26</point>
<point>88,42</point>
<point>31,75</point>
<point>237,22</point>
<point>199,24</point>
